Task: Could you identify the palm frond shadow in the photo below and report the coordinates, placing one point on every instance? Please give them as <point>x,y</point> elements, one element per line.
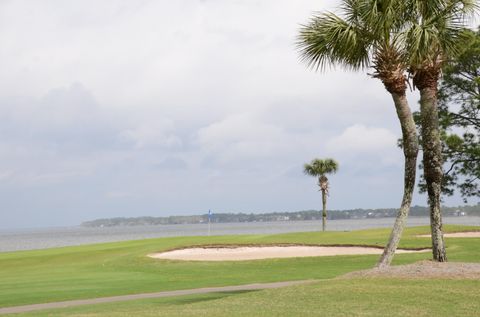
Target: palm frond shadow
<point>209,297</point>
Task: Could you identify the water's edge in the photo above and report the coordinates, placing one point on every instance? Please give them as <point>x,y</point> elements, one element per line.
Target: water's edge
<point>15,240</point>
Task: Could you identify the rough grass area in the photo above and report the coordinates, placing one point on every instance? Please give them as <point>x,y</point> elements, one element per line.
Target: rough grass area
<point>357,297</point>
<point>29,277</point>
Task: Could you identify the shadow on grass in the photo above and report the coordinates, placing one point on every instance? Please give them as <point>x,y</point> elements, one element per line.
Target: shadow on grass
<point>208,297</point>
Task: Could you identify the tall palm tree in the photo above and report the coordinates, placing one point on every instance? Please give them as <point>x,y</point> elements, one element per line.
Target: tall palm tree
<point>370,35</point>
<point>433,35</point>
<point>320,168</point>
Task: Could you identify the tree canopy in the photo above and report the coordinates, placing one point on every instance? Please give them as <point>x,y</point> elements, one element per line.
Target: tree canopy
<point>319,167</point>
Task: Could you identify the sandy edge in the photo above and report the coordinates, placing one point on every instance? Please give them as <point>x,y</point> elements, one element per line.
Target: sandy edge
<point>243,253</point>
<point>465,234</point>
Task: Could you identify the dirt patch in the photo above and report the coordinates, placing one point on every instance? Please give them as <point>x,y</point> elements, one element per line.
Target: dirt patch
<point>470,234</point>
<point>422,270</point>
<point>266,252</point>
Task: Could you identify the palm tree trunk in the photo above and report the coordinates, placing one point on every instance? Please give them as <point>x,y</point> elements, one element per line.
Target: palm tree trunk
<point>432,163</point>
<point>324,210</point>
<point>410,151</point>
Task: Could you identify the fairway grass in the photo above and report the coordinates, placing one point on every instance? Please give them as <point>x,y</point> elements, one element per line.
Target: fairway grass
<point>28,277</point>
<point>357,297</point>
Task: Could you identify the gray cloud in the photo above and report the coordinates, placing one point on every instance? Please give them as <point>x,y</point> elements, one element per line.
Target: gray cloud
<point>125,108</point>
<point>172,163</point>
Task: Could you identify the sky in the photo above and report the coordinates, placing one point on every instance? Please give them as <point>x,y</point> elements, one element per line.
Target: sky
<point>153,108</point>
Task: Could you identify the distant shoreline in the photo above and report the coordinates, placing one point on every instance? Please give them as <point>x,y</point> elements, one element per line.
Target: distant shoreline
<point>304,215</point>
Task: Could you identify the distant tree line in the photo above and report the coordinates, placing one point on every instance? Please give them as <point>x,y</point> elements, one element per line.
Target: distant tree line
<point>419,211</point>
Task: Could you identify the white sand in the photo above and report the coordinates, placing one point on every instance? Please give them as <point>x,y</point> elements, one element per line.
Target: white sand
<point>471,234</point>
<point>255,253</point>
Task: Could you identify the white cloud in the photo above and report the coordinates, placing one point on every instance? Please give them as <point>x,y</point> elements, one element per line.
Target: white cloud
<point>367,149</point>
<point>241,137</point>
<point>156,132</point>
<point>362,139</point>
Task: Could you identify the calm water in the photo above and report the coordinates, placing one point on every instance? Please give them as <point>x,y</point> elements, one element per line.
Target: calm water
<point>27,239</point>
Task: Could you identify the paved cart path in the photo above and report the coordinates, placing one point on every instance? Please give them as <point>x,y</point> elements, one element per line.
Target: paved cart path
<point>79,302</point>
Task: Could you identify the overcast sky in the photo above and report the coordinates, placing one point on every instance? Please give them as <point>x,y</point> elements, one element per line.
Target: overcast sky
<point>133,108</point>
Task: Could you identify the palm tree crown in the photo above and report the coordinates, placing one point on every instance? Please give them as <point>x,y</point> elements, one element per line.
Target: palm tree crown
<point>434,27</point>
<point>433,34</point>
<point>318,167</point>
<point>388,35</point>
<point>369,34</point>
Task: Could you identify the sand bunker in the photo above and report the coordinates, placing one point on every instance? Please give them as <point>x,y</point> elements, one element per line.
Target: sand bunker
<point>265,252</point>
<point>470,234</point>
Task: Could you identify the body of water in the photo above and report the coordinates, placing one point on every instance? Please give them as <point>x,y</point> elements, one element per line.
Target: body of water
<point>29,239</point>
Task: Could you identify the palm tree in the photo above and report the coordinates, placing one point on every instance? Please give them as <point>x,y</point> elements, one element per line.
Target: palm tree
<point>433,35</point>
<point>320,168</point>
<point>370,34</point>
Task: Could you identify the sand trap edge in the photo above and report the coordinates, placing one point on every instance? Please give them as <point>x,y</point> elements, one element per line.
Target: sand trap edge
<point>259,252</point>
<point>462,234</point>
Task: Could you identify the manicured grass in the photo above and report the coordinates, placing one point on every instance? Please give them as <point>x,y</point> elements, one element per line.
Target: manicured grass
<point>358,297</point>
<point>91,271</point>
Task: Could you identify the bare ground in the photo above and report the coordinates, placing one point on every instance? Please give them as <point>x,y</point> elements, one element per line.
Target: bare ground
<point>422,270</point>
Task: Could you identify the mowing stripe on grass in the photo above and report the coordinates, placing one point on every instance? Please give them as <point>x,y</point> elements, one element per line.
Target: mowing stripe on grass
<point>72,303</point>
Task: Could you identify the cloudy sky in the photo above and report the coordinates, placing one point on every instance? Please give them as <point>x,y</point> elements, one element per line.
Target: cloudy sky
<point>131,108</point>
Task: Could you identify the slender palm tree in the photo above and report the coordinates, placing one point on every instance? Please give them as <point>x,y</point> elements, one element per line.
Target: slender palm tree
<point>369,34</point>
<point>320,168</point>
<point>433,34</point>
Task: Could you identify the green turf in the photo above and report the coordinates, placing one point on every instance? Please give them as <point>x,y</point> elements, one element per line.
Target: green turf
<point>40,276</point>
<point>358,297</point>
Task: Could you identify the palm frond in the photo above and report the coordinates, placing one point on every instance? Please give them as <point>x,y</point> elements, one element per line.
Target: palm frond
<point>384,18</point>
<point>353,11</point>
<point>434,33</point>
<point>329,40</point>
